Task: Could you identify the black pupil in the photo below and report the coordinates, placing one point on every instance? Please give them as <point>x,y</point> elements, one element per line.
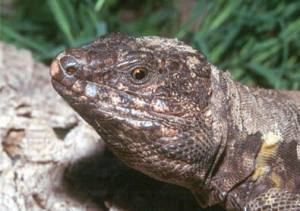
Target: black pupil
<point>139,74</point>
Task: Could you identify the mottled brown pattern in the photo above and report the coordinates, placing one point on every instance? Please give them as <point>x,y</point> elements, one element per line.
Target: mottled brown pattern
<point>165,111</point>
<point>275,199</point>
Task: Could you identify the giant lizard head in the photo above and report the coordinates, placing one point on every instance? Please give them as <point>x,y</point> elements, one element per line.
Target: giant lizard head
<point>148,99</point>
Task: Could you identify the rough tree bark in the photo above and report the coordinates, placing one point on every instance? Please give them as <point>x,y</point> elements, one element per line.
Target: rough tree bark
<point>40,137</point>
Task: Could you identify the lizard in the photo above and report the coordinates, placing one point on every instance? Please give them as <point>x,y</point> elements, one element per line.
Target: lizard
<point>167,112</point>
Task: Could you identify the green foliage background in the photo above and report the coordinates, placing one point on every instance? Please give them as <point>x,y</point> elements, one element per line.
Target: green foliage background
<point>258,41</point>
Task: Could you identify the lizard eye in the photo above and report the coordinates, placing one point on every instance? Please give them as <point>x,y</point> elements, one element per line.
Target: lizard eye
<point>139,74</point>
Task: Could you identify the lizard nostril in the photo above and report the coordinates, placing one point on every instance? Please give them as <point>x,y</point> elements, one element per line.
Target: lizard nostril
<point>69,65</point>
<point>71,70</point>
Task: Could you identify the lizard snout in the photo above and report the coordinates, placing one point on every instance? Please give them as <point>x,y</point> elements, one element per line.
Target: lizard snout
<point>64,69</point>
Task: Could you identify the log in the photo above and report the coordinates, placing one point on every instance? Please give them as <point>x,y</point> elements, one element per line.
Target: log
<point>40,138</point>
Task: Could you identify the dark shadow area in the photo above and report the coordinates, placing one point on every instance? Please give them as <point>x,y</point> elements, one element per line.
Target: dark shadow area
<point>102,176</point>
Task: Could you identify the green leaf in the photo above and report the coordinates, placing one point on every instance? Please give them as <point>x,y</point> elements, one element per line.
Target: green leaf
<point>266,73</point>
<point>12,34</point>
<point>61,19</point>
<point>99,5</point>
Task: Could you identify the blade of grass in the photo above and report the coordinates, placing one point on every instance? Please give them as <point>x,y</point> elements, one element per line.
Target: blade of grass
<point>224,15</point>
<point>266,73</point>
<point>291,31</point>
<point>18,38</point>
<point>223,47</point>
<point>99,5</point>
<point>61,19</point>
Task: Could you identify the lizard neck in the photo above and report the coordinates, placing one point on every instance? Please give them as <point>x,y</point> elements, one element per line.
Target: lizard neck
<point>210,194</point>
<point>246,118</point>
<point>227,171</point>
<point>266,111</point>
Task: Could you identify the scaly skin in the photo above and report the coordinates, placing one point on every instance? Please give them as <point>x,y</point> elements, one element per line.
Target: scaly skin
<point>167,112</point>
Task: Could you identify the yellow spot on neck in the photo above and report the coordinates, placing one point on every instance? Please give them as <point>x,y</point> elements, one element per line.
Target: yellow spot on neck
<point>276,179</point>
<point>267,152</point>
<point>270,139</point>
